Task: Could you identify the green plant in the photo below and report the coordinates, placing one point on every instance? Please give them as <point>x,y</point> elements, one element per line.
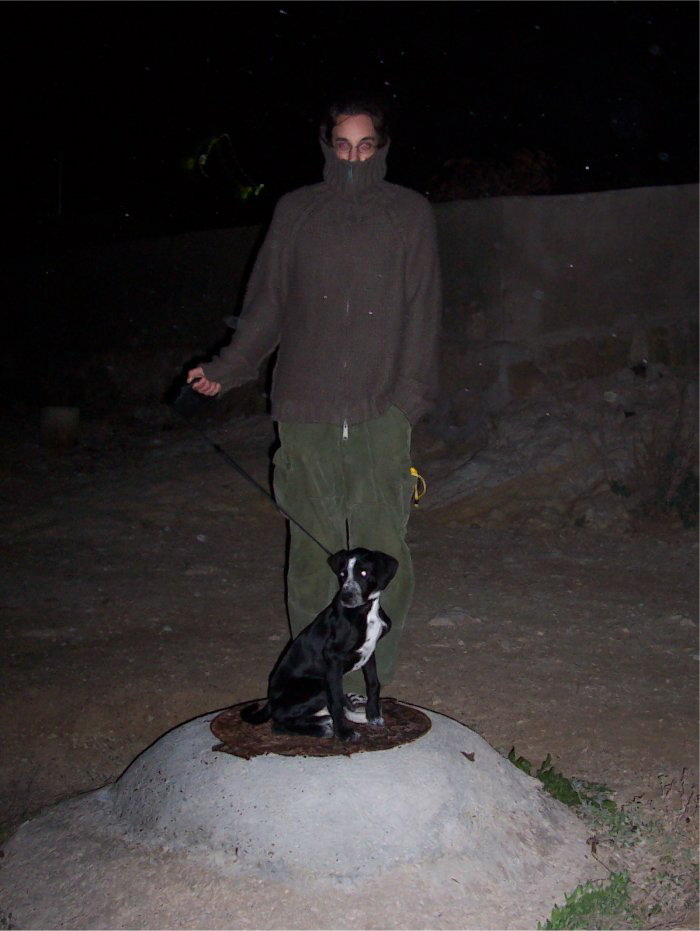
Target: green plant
<point>593,905</point>
<point>572,792</point>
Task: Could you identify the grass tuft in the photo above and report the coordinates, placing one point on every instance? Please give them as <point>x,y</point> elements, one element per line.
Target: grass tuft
<point>592,905</point>
<point>572,792</point>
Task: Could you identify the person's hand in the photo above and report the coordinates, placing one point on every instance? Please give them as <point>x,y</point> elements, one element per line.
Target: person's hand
<point>202,385</point>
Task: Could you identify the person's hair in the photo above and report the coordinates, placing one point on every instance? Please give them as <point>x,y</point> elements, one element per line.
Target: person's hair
<point>357,105</point>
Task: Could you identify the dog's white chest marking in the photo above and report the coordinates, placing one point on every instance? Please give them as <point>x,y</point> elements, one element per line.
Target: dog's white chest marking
<point>375,628</point>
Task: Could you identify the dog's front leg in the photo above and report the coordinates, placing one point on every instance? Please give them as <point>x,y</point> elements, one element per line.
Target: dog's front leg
<point>374,713</point>
<point>334,689</point>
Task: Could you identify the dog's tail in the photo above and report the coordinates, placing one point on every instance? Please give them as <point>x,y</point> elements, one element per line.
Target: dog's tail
<point>255,715</point>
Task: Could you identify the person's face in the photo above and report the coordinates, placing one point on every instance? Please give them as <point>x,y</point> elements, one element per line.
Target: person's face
<point>354,138</point>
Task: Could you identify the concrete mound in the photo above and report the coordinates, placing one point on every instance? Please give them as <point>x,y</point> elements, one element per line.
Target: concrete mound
<point>439,832</point>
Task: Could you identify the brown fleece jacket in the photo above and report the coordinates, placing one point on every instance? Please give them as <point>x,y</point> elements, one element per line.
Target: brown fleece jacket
<point>347,285</point>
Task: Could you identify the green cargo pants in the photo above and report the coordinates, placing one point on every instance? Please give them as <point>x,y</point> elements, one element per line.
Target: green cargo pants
<point>347,491</point>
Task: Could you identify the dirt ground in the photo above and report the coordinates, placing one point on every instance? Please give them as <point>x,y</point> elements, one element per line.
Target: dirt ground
<point>142,585</point>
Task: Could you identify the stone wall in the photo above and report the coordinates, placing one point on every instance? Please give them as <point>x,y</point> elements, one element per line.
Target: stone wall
<point>541,291</point>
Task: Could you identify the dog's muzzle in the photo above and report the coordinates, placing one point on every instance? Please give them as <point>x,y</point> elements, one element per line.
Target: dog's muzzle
<point>351,595</point>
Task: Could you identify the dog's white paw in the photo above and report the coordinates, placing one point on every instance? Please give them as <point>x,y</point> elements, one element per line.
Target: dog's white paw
<point>376,722</point>
<point>327,729</point>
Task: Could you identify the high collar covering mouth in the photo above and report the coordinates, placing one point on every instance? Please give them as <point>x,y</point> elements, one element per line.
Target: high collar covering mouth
<point>352,179</point>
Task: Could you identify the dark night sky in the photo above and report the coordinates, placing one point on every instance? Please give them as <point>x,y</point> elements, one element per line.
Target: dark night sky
<point>118,95</point>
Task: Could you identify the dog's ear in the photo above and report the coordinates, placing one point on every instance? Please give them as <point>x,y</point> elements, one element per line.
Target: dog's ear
<point>385,568</point>
<point>338,561</point>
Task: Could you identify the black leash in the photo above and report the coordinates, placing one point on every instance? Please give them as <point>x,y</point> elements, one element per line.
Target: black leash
<point>187,403</point>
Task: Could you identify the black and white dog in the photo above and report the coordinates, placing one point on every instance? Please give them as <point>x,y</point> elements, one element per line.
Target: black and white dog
<point>305,693</point>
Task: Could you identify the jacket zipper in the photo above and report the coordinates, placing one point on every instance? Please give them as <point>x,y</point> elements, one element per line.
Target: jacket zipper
<point>346,431</point>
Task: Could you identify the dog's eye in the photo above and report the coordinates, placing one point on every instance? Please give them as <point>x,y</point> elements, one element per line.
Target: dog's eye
<point>342,574</point>
<point>363,572</point>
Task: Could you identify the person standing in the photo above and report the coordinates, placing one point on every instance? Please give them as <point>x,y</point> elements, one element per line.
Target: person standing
<point>347,288</point>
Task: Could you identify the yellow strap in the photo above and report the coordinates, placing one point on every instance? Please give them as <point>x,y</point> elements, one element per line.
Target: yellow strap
<point>421,485</point>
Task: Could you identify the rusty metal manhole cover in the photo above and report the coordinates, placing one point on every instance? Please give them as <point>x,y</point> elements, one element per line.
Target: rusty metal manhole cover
<point>403,724</point>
